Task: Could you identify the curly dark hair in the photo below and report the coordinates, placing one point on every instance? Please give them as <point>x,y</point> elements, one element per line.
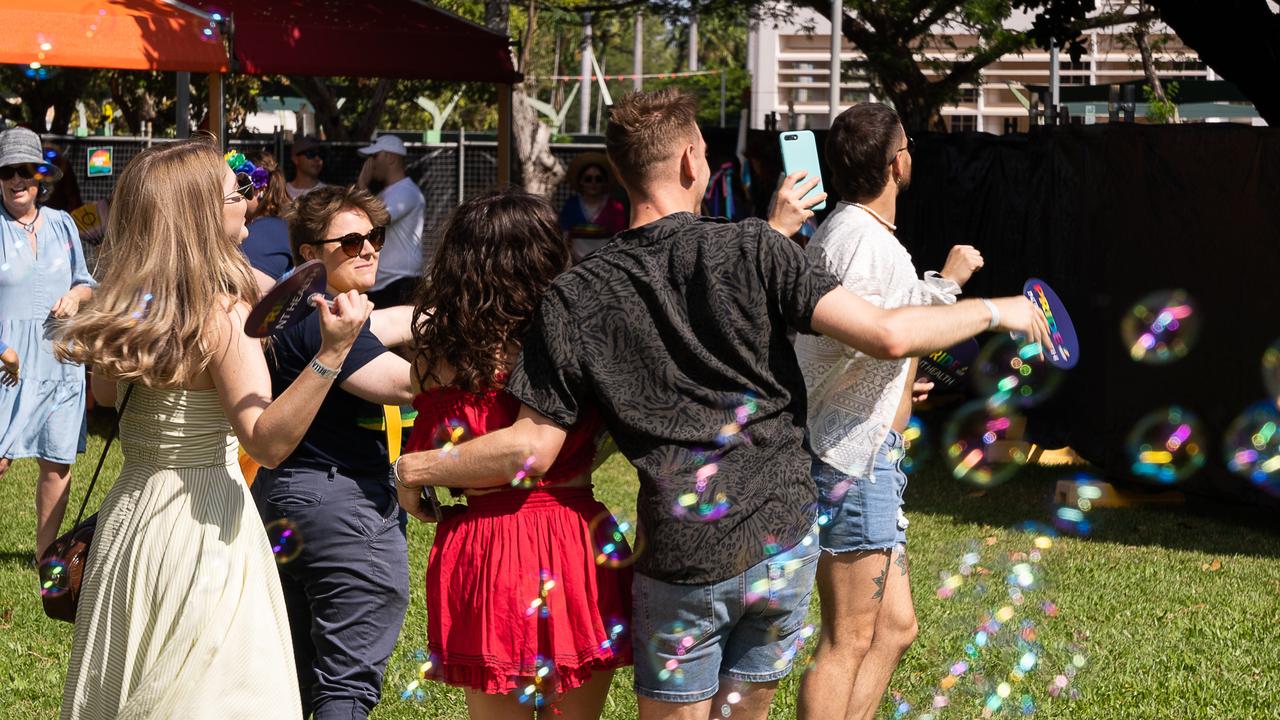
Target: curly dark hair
<point>498,254</point>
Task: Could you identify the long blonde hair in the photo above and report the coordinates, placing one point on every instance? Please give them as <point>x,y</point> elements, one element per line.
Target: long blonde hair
<point>167,267</point>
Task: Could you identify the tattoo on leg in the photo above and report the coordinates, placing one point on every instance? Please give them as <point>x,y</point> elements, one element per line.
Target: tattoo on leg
<point>902,560</point>
<point>879,581</point>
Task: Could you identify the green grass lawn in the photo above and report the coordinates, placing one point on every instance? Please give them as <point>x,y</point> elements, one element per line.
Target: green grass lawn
<point>1168,613</point>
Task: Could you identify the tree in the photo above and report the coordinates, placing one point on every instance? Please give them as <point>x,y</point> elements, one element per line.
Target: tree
<point>895,34</point>
<point>1239,39</point>
<point>56,89</point>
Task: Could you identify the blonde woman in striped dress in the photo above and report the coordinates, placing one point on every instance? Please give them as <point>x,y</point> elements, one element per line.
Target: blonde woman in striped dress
<point>182,614</point>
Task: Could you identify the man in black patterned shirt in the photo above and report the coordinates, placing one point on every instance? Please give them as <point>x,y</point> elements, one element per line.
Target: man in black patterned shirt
<point>677,332</point>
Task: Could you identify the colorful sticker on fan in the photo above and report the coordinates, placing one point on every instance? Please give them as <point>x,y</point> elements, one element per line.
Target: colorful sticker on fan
<point>1065,351</point>
<point>286,303</point>
<point>950,368</point>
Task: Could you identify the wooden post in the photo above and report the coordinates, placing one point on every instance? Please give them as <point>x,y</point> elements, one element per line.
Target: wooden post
<point>504,134</point>
<point>217,110</point>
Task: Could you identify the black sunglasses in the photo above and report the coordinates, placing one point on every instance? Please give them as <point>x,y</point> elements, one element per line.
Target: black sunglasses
<point>910,148</point>
<point>593,179</point>
<point>310,154</point>
<point>244,189</point>
<point>353,243</point>
<point>25,171</point>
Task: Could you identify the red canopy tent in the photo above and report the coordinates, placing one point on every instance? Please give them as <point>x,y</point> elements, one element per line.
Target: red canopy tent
<point>407,39</point>
<point>363,38</point>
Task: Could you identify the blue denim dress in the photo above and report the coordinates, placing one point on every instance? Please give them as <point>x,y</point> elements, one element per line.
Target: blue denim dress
<point>43,416</point>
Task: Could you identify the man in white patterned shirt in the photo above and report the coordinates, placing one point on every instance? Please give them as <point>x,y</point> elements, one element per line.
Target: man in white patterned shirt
<point>858,406</point>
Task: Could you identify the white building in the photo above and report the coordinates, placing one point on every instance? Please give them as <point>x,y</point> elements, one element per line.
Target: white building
<point>790,67</point>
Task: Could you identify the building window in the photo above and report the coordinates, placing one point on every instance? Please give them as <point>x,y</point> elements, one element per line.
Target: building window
<point>964,123</point>
<point>1073,73</point>
<point>968,96</point>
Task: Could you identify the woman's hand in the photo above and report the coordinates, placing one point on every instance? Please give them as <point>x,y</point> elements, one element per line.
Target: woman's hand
<point>67,305</point>
<point>341,325</point>
<point>9,373</point>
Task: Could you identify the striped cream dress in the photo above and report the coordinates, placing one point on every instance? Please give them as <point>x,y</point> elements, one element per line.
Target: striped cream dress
<point>181,614</point>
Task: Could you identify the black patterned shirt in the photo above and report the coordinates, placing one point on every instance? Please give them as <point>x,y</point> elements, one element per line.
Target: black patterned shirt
<point>677,332</point>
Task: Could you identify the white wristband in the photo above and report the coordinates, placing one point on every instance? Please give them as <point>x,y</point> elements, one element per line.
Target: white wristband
<point>323,370</point>
<point>995,313</point>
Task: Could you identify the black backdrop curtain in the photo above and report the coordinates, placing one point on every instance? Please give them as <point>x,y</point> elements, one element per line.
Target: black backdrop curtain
<point>1107,214</point>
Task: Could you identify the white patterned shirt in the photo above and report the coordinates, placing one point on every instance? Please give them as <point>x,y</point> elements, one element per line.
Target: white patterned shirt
<point>854,397</point>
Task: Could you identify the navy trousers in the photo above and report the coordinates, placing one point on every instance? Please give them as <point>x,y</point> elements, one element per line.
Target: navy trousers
<point>348,587</point>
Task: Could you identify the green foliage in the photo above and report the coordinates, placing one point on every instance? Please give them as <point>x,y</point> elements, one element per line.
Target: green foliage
<point>1161,111</point>
<point>707,89</point>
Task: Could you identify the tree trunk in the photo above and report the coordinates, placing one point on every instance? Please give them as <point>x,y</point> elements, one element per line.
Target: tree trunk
<point>541,169</point>
<point>1139,34</point>
<point>1239,39</point>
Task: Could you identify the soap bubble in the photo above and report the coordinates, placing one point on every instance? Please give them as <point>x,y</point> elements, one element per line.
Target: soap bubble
<point>1166,445</point>
<point>983,446</point>
<point>1161,327</point>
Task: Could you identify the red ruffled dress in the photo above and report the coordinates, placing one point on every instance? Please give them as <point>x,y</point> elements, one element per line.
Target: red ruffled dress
<point>513,583</point>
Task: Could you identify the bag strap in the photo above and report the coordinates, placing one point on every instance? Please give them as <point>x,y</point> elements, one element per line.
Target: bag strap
<point>114,430</point>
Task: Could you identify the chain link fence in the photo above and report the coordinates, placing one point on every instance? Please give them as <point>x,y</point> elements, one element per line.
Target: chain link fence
<point>445,172</point>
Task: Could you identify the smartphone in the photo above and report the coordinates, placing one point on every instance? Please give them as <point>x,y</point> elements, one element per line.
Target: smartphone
<point>800,152</point>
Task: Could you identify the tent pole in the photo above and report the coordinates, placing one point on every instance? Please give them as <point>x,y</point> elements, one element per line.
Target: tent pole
<point>217,110</point>
<point>504,134</point>
<point>183,120</point>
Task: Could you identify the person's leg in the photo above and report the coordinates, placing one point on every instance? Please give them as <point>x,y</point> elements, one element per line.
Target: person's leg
<point>896,629</point>
<point>850,593</point>
<point>52,489</point>
<point>585,702</point>
<point>774,596</point>
<point>359,595</point>
<point>737,699</point>
<point>4,465</point>
<point>304,652</point>
<point>679,635</point>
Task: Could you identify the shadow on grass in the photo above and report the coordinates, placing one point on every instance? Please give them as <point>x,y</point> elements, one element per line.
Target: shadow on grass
<point>1200,524</point>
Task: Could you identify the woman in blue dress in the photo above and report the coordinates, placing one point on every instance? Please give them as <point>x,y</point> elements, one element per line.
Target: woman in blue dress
<point>43,280</point>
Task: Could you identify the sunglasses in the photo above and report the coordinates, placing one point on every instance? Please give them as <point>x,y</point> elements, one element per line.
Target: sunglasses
<point>26,171</point>
<point>310,154</point>
<point>244,189</point>
<point>910,148</point>
<point>593,179</point>
<point>353,243</point>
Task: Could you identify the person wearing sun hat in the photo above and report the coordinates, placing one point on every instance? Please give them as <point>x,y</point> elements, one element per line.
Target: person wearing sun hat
<point>591,216</point>
<point>404,256</point>
<point>43,280</point>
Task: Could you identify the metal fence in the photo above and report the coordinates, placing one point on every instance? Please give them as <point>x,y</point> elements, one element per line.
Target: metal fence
<point>446,172</point>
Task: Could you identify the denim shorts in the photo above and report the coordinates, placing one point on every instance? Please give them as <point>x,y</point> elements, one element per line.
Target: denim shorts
<point>857,514</point>
<point>747,628</point>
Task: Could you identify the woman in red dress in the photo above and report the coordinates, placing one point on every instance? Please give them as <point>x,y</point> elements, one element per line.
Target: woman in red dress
<point>524,607</point>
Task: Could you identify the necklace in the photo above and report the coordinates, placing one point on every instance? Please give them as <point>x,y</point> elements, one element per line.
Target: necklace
<point>876,215</point>
<point>31,226</point>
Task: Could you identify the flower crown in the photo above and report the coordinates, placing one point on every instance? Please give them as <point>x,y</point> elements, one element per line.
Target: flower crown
<point>240,164</point>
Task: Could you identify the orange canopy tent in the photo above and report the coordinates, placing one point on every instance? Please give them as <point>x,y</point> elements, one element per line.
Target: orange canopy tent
<point>118,34</point>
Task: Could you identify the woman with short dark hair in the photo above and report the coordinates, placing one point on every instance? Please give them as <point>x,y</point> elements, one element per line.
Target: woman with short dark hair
<point>331,505</point>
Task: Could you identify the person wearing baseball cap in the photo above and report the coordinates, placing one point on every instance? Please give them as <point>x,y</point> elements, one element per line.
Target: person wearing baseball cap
<point>308,161</point>
<point>403,256</point>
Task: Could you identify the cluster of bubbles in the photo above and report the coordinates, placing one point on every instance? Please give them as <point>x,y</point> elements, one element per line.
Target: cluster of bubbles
<point>523,479</point>
<point>538,606</point>
<point>1161,327</point>
<point>210,32</point>
<point>1012,373</point>
<point>1252,446</point>
<point>609,541</point>
<point>911,454</point>
<point>285,540</point>
<point>983,445</point>
<point>705,502</point>
<point>54,580</point>
<point>1072,515</point>
<point>1167,445</point>
<point>447,435</point>
<point>36,69</point>
<point>427,663</point>
<point>1003,650</point>
<point>533,691</point>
